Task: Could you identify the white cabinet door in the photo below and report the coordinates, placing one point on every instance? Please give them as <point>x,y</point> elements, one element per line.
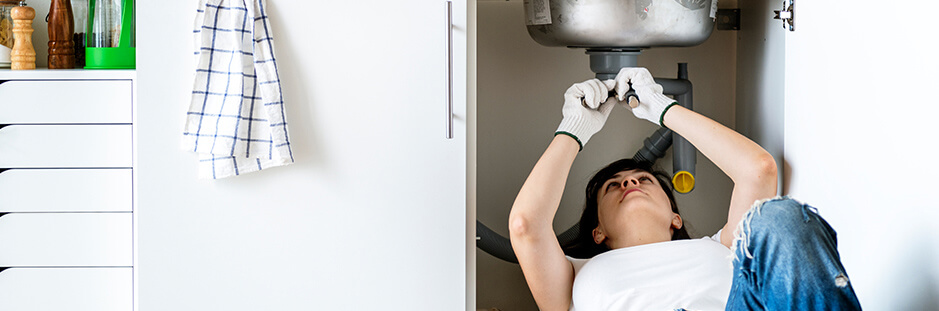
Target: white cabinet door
<point>66,240</point>
<point>66,190</point>
<point>35,146</point>
<point>72,289</point>
<point>860,140</point>
<point>63,101</point>
<point>372,216</point>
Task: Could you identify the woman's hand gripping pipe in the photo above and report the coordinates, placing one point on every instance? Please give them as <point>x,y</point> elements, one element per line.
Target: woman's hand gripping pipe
<point>654,104</point>
<point>586,108</point>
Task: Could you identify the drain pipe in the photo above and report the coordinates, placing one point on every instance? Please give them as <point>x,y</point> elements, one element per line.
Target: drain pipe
<point>654,146</point>
<point>606,63</point>
<point>685,154</point>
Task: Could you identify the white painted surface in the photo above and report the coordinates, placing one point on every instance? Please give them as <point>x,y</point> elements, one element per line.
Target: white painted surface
<point>761,74</point>
<point>64,101</point>
<point>32,146</point>
<point>73,289</point>
<point>372,214</point>
<point>68,74</point>
<point>472,24</point>
<point>860,142</point>
<point>66,190</point>
<point>66,239</point>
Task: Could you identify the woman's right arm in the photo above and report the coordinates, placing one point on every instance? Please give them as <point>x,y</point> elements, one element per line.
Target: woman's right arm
<point>549,274</point>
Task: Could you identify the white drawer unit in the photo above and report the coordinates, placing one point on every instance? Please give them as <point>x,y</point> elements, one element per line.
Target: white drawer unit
<point>65,101</point>
<point>66,190</point>
<point>66,240</point>
<point>72,289</point>
<point>67,176</point>
<point>32,146</point>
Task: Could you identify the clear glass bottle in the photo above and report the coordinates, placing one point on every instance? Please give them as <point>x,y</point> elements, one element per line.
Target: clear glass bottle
<point>111,36</point>
<point>80,15</point>
<point>106,26</point>
<point>6,31</point>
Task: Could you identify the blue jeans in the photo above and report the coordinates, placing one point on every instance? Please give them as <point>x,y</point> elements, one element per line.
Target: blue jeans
<point>786,258</point>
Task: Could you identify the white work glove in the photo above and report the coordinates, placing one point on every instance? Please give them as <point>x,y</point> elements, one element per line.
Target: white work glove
<point>652,103</point>
<point>582,122</point>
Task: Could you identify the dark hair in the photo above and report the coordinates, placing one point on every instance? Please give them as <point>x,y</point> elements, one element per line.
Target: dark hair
<point>583,246</point>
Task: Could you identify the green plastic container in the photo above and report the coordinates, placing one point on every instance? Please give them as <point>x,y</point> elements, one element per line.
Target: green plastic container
<point>124,56</point>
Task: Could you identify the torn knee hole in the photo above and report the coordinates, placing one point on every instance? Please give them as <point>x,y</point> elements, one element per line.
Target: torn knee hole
<point>841,280</point>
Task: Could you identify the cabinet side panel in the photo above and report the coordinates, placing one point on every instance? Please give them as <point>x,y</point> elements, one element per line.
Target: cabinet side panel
<point>371,216</point>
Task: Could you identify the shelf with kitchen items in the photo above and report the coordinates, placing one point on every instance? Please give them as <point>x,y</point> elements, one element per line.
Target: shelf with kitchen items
<point>76,34</point>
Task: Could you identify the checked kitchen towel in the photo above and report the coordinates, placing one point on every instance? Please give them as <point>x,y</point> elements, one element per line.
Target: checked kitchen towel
<point>236,120</point>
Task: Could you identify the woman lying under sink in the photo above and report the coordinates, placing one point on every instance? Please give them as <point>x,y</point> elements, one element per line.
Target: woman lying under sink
<point>633,252</point>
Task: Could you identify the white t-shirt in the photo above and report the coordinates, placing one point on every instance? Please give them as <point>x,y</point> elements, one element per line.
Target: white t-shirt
<point>690,274</point>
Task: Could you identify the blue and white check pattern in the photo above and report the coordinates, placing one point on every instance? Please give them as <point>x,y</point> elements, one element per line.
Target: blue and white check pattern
<point>236,121</point>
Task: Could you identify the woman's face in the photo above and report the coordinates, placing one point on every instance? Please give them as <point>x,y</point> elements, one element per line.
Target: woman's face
<point>633,200</point>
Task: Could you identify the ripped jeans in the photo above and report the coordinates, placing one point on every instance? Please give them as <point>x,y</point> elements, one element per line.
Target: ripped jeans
<point>786,258</point>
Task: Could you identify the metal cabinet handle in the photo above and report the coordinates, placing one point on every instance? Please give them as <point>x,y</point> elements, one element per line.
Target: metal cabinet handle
<point>449,70</point>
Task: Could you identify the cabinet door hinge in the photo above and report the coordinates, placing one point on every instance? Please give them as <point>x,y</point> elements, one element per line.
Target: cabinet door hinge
<point>728,19</point>
<point>787,14</point>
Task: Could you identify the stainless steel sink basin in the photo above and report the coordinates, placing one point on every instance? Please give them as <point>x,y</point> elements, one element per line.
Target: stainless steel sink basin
<point>619,23</point>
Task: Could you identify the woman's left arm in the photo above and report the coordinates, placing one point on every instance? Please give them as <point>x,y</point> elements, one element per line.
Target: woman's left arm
<point>752,169</point>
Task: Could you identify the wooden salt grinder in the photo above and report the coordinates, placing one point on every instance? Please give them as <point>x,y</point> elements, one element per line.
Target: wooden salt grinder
<point>23,55</point>
<point>61,44</point>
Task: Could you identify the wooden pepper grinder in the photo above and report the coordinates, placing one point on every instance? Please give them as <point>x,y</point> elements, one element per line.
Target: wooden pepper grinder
<point>23,56</point>
<point>61,46</point>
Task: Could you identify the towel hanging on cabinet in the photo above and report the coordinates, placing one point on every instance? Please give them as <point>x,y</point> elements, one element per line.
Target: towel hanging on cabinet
<point>236,120</point>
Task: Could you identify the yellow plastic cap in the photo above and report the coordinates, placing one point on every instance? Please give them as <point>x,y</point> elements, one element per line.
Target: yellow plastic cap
<point>683,181</point>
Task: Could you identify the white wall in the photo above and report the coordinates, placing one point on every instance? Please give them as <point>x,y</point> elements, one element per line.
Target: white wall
<point>860,143</point>
<point>761,71</point>
<point>520,88</point>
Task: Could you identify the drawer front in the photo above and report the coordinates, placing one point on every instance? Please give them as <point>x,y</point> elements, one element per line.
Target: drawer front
<point>72,289</point>
<point>38,146</point>
<point>30,102</point>
<point>66,190</point>
<point>66,240</point>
